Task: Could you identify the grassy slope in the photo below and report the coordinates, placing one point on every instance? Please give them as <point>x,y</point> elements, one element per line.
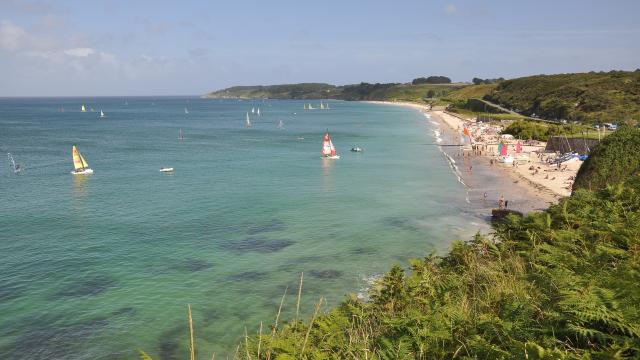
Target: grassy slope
<point>471,91</point>
<point>588,97</point>
<point>616,159</point>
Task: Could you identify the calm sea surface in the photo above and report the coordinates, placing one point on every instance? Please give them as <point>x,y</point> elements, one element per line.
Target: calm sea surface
<point>96,267</point>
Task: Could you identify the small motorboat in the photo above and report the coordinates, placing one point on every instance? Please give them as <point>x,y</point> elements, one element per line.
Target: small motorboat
<point>166,169</point>
<point>356,149</point>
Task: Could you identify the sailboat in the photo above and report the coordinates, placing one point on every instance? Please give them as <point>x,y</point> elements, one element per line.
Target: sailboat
<point>248,122</point>
<point>180,135</point>
<point>304,106</point>
<point>186,111</point>
<point>102,115</point>
<point>253,110</point>
<point>258,111</point>
<point>12,164</point>
<point>83,109</point>
<point>280,124</point>
<point>80,165</point>
<point>321,106</point>
<point>328,150</point>
<point>504,155</point>
<point>326,106</point>
<point>91,109</point>
<point>310,107</point>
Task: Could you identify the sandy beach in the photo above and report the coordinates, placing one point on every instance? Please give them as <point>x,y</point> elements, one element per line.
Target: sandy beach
<point>532,182</point>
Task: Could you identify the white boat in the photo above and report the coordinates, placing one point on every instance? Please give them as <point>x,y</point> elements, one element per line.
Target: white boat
<point>321,105</point>
<point>328,150</point>
<point>12,164</point>
<point>253,110</point>
<point>83,109</point>
<point>310,107</point>
<point>102,115</point>
<point>258,112</point>
<point>248,122</point>
<point>356,149</point>
<point>80,165</point>
<point>166,169</point>
<point>186,111</point>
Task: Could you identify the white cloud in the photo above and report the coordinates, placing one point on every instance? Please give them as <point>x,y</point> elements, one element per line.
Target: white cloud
<point>12,37</point>
<point>450,9</point>
<point>80,52</point>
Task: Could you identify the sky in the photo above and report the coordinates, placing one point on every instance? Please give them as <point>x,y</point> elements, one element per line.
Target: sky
<point>188,47</point>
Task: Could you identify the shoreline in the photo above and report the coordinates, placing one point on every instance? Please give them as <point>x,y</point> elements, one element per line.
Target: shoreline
<point>486,180</point>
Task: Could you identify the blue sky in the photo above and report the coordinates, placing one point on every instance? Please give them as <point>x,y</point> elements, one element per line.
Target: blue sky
<point>140,47</point>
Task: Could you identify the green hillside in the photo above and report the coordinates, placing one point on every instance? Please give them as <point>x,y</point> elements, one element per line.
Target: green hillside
<point>362,91</point>
<point>470,92</point>
<point>586,97</point>
<point>613,160</point>
<point>286,91</point>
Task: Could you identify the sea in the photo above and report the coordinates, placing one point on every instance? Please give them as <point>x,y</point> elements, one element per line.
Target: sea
<point>101,266</point>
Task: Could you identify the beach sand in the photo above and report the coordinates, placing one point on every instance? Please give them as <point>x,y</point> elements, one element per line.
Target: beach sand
<point>486,180</point>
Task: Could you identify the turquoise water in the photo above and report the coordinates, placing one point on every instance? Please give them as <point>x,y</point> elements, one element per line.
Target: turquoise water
<point>96,267</point>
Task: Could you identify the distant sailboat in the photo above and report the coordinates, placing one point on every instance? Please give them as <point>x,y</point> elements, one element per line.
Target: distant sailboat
<point>80,165</point>
<point>310,107</point>
<point>102,115</point>
<point>258,111</point>
<point>280,124</point>
<point>328,150</point>
<point>304,106</point>
<point>91,109</point>
<point>248,122</point>
<point>321,105</point>
<point>83,109</point>
<point>180,135</point>
<point>12,164</point>
<point>326,106</point>
<point>253,110</point>
<point>186,111</point>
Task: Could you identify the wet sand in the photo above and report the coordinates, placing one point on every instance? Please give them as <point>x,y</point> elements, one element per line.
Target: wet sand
<point>485,182</point>
<point>495,180</point>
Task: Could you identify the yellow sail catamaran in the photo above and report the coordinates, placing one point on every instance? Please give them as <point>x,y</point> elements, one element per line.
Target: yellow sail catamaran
<point>80,165</point>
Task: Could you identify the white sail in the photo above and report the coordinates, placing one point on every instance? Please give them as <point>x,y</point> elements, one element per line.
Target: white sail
<point>253,110</point>
<point>248,121</point>
<point>258,111</point>
<point>102,115</point>
<point>186,111</point>
<point>281,125</point>
<point>321,105</point>
<point>83,109</point>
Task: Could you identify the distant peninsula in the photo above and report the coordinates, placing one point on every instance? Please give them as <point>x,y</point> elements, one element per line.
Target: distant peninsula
<point>591,98</point>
